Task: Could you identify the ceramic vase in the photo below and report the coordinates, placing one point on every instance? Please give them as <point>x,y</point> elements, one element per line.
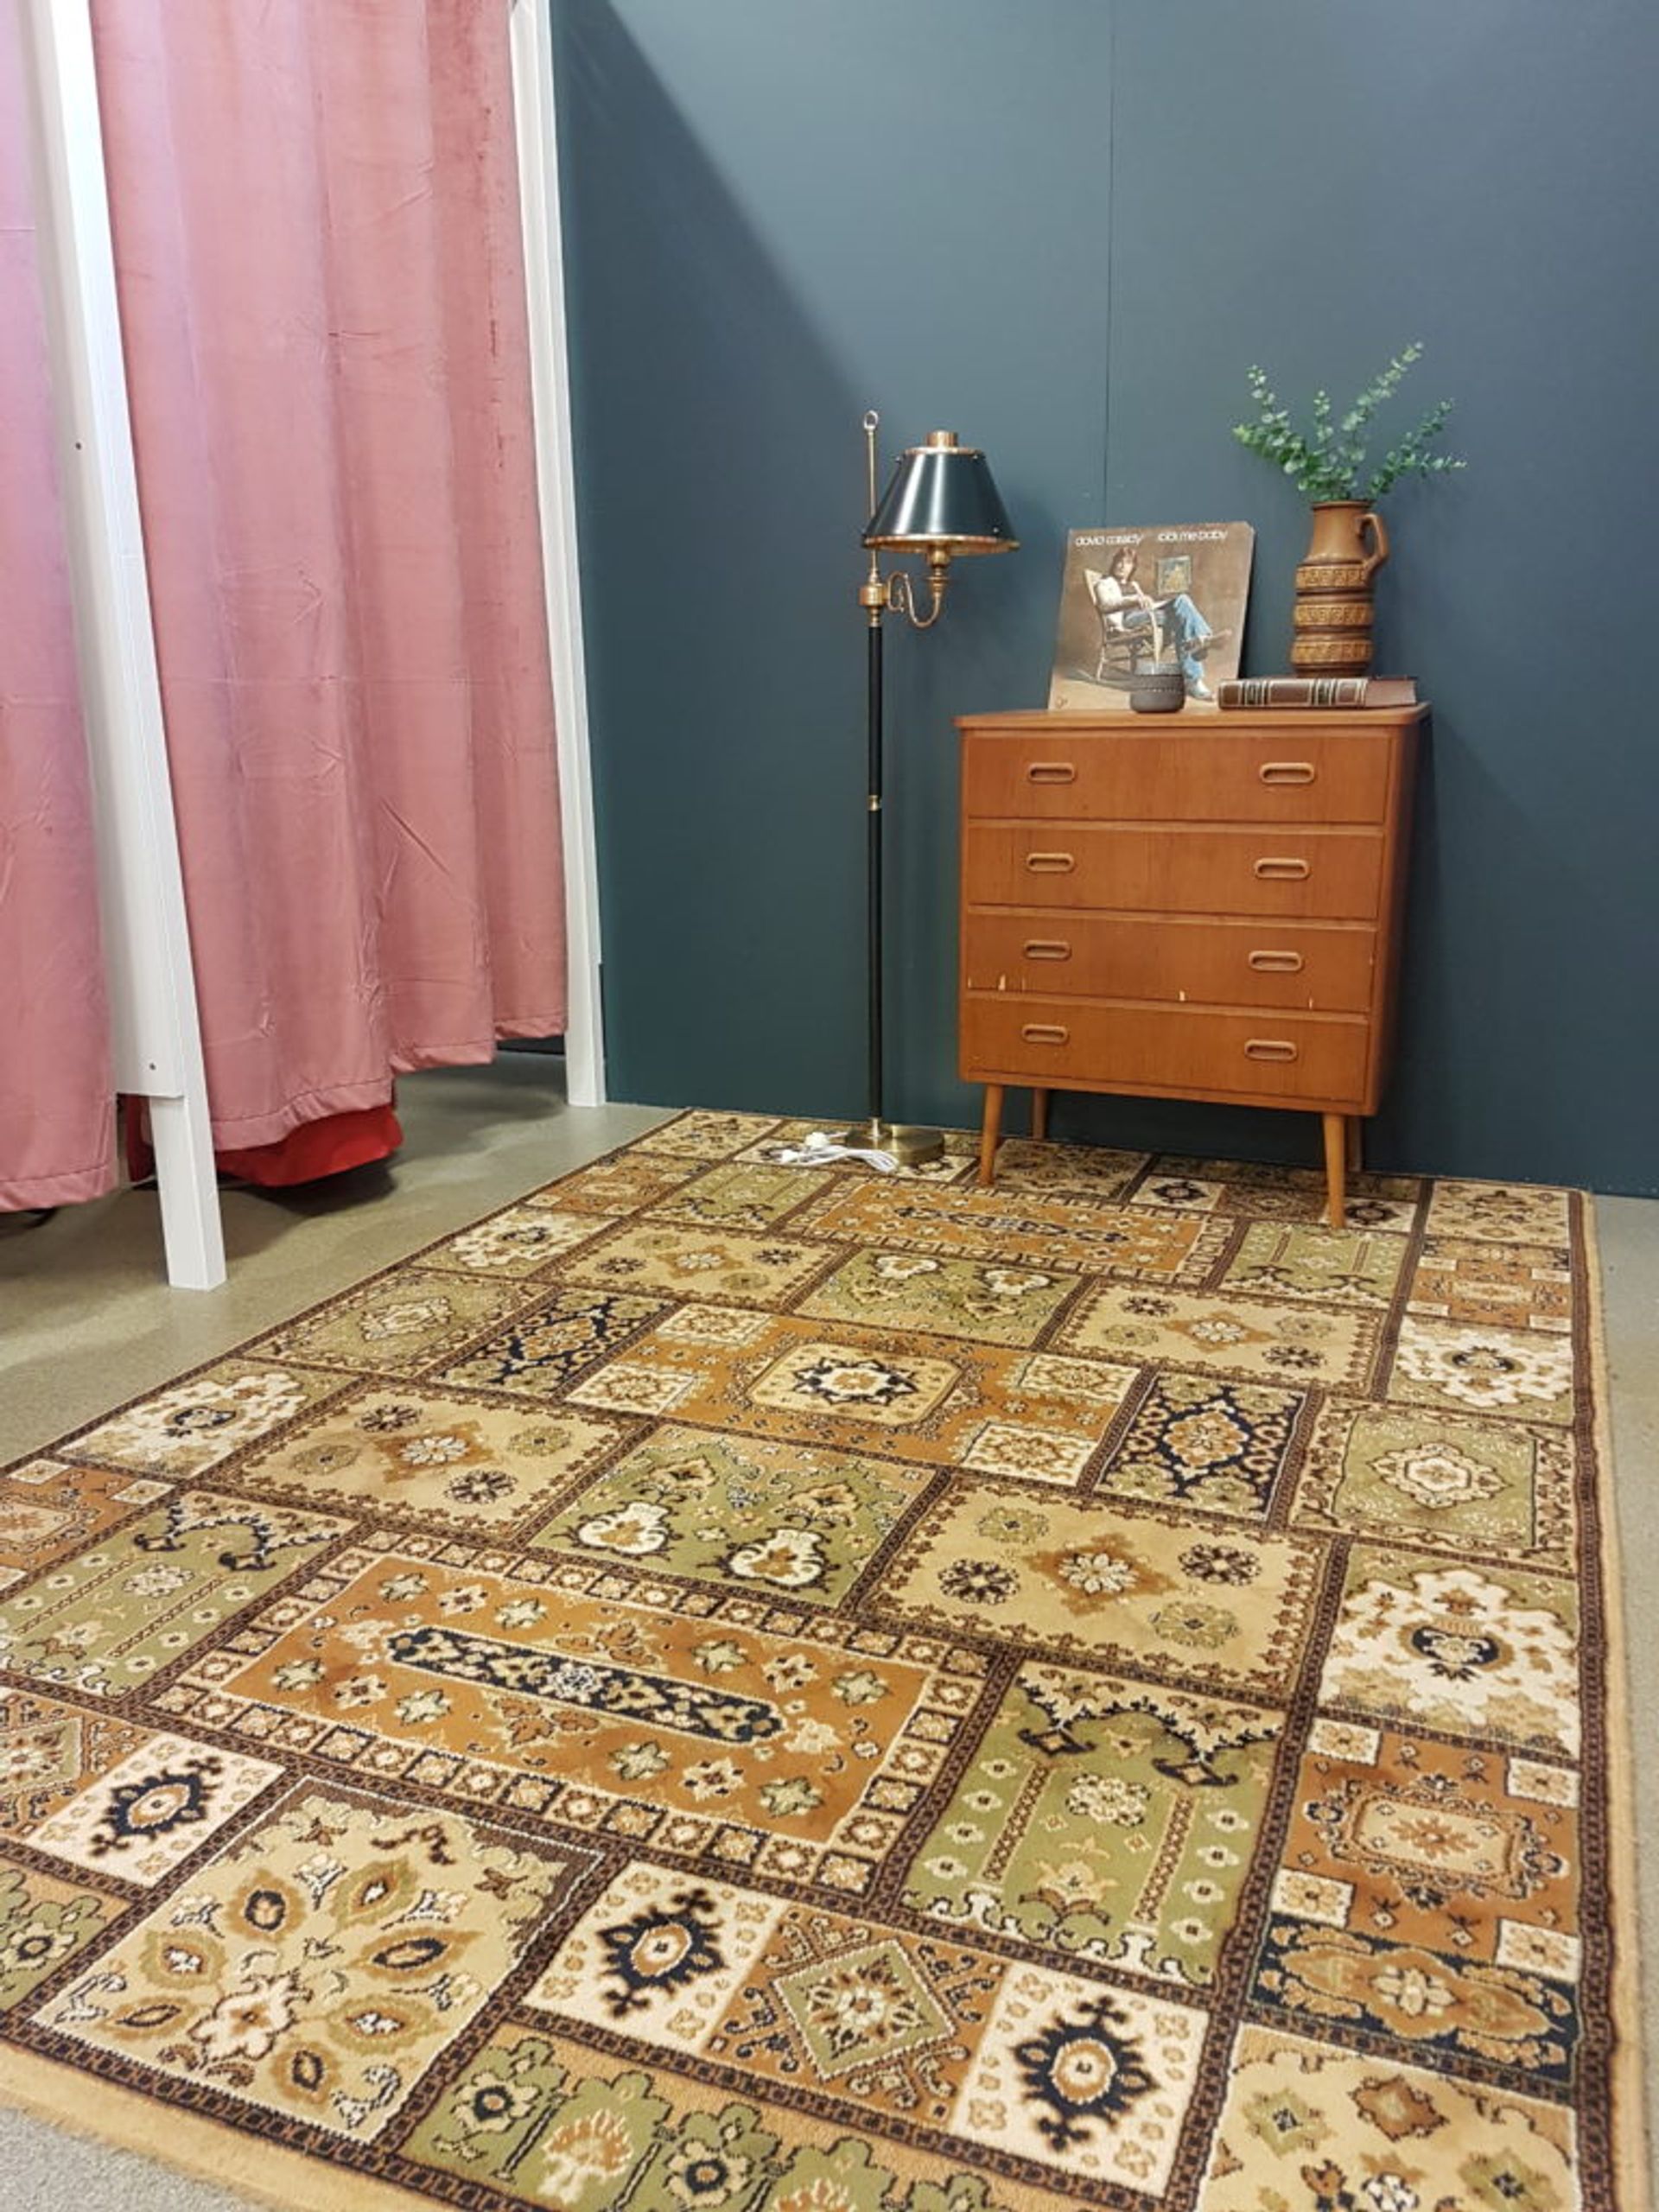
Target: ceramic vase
<point>1332,619</point>
<point>1157,692</point>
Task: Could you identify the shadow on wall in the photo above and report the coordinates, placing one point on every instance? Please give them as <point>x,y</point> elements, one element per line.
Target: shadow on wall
<point>709,417</point>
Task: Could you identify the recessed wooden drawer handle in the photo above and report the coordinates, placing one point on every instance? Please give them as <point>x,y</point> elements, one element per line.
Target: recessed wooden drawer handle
<point>1051,771</point>
<point>1280,871</point>
<point>1054,863</point>
<point>1048,948</point>
<point>1044,1032</point>
<point>1275,963</point>
<point>1286,771</point>
<point>1270,1048</point>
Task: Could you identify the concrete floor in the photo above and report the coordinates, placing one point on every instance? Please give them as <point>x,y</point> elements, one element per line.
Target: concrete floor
<point>91,1281</point>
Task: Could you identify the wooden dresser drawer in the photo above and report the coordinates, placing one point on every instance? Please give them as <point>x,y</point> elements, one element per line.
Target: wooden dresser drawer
<point>1324,970</point>
<point>1321,775</point>
<point>1065,1043</point>
<point>1333,875</point>
<point>1206,908</point>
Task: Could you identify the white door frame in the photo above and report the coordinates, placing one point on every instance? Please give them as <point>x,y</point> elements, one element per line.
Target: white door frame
<point>537,130</point>
<point>157,1038</point>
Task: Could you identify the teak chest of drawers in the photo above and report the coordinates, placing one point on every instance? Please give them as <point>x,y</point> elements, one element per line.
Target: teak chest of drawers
<point>1186,909</point>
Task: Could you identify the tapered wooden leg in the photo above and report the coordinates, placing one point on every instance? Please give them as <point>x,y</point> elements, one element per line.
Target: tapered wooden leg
<point>1355,1127</point>
<point>1040,1115</point>
<point>1336,1144</point>
<point>990,1130</point>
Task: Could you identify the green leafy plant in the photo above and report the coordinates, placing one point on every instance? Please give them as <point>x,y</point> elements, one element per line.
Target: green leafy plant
<point>1329,460</point>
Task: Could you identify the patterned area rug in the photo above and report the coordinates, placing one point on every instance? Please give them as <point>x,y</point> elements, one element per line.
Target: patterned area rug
<point>735,1686</point>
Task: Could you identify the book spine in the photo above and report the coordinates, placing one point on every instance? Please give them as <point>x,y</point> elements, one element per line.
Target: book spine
<point>1294,691</point>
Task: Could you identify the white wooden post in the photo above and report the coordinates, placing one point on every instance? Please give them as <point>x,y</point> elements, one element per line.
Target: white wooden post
<point>536,128</point>
<point>146,945</point>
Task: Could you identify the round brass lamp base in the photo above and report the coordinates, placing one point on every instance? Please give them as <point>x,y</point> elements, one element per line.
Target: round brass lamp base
<point>909,1147</point>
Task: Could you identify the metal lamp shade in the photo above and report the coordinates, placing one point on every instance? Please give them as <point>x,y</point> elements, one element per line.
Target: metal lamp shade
<point>942,496</point>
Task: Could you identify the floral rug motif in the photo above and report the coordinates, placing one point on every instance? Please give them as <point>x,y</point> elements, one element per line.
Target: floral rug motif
<point>733,1686</point>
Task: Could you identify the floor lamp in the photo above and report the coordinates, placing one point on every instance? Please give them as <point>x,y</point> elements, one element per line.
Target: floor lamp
<point>940,502</point>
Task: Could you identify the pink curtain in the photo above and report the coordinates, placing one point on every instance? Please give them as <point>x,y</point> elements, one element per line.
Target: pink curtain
<point>319,268</point>
<point>57,1111</point>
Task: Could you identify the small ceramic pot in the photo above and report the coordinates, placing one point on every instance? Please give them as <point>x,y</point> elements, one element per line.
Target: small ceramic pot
<point>1157,692</point>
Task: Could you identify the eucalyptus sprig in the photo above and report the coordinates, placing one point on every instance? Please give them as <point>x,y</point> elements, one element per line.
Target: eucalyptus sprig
<point>1329,462</point>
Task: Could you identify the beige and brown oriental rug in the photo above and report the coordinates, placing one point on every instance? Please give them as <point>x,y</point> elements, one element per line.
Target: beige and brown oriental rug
<point>735,1686</point>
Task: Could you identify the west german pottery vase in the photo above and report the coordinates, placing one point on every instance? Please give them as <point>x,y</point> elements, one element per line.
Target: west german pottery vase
<point>1332,634</point>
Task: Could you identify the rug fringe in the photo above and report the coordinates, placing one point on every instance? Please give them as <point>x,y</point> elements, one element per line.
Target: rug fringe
<point>1631,2152</point>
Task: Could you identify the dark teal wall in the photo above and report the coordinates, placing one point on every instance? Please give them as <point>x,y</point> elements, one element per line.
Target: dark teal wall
<point>1063,229</point>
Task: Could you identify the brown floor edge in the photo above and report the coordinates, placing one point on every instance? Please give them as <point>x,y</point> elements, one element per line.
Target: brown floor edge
<point>1631,2152</point>
<point>99,2111</point>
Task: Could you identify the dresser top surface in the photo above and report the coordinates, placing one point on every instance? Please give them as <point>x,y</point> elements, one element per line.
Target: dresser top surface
<point>1237,720</point>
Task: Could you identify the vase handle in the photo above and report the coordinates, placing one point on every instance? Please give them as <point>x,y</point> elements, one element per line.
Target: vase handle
<point>1380,554</point>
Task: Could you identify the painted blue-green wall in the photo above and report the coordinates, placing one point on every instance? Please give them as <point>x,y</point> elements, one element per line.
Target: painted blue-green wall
<point>1063,229</point>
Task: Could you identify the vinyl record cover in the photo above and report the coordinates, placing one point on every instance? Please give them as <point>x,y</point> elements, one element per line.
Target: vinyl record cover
<point>1169,595</point>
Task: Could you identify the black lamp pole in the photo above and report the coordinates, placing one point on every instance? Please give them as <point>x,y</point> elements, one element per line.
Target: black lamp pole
<point>940,502</point>
<point>873,869</point>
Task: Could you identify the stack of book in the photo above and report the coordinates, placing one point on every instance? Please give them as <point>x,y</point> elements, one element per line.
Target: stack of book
<point>1317,692</point>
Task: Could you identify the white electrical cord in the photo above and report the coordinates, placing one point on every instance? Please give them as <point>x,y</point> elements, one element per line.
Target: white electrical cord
<point>821,1151</point>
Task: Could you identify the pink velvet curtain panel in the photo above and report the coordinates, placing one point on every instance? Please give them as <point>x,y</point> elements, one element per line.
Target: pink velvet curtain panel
<point>320,266</point>
<point>57,1111</point>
